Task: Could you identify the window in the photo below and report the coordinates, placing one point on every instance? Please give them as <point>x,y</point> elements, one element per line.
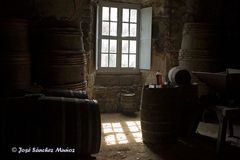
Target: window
<point>118,36</point>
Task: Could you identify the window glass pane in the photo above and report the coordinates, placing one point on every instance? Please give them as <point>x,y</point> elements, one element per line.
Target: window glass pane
<point>125,15</point>
<point>112,60</point>
<point>124,46</point>
<point>113,46</point>
<point>133,30</point>
<point>124,60</point>
<point>113,29</point>
<point>104,45</point>
<point>104,60</point>
<point>113,14</point>
<point>125,31</point>
<point>105,13</point>
<point>133,46</point>
<point>133,15</point>
<point>105,28</point>
<point>132,61</point>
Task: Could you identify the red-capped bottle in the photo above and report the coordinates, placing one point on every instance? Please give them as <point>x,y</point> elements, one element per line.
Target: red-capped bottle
<point>159,78</point>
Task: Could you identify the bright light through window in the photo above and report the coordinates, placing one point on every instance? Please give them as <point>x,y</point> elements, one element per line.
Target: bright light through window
<point>122,133</point>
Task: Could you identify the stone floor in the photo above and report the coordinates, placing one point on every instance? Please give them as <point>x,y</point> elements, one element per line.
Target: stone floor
<point>121,140</point>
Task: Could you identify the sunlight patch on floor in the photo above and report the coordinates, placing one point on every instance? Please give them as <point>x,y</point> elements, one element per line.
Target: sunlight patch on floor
<point>122,132</point>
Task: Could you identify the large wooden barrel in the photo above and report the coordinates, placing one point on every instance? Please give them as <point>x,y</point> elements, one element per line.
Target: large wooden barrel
<point>189,109</point>
<point>15,61</point>
<point>59,58</point>
<point>18,123</point>
<point>51,122</point>
<point>78,121</point>
<point>159,112</point>
<point>199,48</point>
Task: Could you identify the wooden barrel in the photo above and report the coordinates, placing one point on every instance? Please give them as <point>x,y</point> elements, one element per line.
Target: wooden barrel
<point>52,122</point>
<point>77,121</point>
<point>159,112</point>
<point>60,61</point>
<point>199,48</point>
<point>59,38</point>
<point>128,102</point>
<point>15,61</point>
<point>18,123</point>
<point>179,75</point>
<point>189,110</point>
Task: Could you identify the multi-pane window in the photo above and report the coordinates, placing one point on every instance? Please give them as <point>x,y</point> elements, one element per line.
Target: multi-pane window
<point>118,35</point>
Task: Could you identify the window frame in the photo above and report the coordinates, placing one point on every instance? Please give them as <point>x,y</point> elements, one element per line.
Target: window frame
<point>119,37</point>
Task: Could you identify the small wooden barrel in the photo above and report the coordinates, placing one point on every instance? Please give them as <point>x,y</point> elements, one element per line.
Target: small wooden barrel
<point>128,102</point>
<point>179,75</point>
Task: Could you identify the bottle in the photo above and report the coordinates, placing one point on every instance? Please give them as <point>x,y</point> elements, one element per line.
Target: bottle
<point>159,78</point>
